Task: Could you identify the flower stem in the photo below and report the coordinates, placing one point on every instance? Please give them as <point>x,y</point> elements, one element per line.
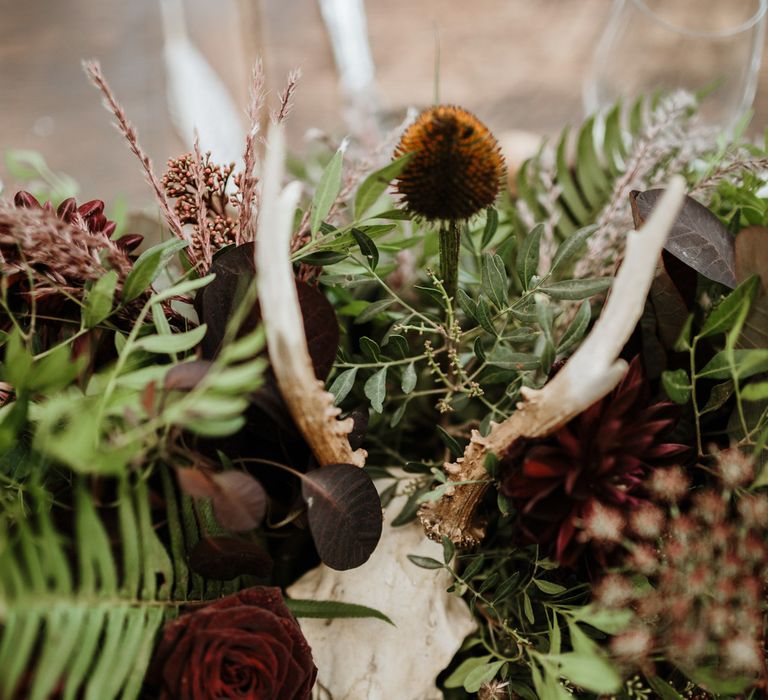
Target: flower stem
<point>450,240</point>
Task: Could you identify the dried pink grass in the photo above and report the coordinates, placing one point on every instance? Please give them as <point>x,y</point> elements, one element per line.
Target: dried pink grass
<point>248,182</point>
<point>93,71</point>
<point>61,257</point>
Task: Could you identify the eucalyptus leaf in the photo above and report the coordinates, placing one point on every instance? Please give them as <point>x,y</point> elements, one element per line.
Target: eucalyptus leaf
<point>697,237</point>
<point>333,610</point>
<point>677,385</point>
<point>375,389</point>
<point>494,279</point>
<point>528,255</point>
<point>98,301</point>
<point>176,342</point>
<point>343,384</point>
<point>148,266</point>
<point>725,315</point>
<point>327,191</point>
<point>577,288</point>
<point>376,184</point>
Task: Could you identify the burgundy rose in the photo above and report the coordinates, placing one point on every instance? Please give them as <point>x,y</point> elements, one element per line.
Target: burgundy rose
<point>247,645</point>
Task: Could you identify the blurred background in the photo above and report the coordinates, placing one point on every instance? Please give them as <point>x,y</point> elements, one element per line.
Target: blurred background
<point>518,64</point>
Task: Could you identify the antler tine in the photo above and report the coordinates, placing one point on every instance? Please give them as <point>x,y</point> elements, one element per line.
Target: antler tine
<point>310,405</point>
<point>593,371</point>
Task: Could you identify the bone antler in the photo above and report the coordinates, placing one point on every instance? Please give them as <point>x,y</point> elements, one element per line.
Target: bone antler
<point>310,405</point>
<point>592,372</point>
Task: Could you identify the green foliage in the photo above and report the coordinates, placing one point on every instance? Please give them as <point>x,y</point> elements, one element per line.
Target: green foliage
<point>89,622</point>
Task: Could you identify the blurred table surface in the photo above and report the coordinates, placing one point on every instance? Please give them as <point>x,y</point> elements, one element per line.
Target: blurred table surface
<point>517,64</point>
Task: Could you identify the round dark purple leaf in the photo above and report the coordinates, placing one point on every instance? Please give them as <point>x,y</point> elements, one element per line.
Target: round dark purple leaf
<point>216,302</point>
<point>344,513</point>
<point>698,237</point>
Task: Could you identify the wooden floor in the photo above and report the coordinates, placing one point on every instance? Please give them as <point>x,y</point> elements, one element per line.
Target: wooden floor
<point>518,64</point>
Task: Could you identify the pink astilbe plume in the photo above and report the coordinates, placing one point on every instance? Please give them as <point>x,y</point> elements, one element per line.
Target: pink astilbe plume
<point>705,557</point>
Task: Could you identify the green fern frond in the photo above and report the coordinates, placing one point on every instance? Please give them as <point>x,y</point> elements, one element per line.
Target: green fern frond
<point>79,614</point>
<point>585,169</point>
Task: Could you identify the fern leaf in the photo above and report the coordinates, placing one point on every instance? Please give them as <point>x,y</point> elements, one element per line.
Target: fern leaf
<point>84,630</point>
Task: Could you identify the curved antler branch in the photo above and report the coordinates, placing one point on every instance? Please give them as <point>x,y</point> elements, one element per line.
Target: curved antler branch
<point>310,405</point>
<point>593,371</point>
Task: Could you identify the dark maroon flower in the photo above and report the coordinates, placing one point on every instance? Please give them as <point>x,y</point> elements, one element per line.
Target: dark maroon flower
<point>247,646</point>
<point>600,458</point>
<point>89,215</point>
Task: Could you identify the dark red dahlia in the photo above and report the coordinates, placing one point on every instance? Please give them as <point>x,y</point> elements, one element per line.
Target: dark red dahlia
<point>589,472</point>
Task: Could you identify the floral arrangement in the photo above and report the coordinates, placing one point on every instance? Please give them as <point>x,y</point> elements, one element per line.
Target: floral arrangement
<point>392,429</point>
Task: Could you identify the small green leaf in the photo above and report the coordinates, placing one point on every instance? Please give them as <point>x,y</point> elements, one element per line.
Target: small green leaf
<point>507,359</point>
<point>494,280</point>
<point>727,312</point>
<point>343,384</point>
<point>449,549</point>
<point>482,674</point>
<point>332,610</point>
<point>177,342</point>
<point>746,364</point>
<point>372,310</point>
<point>683,343</point>
<point>663,689</point>
<point>425,562</point>
<point>587,671</point>
<point>370,349</point>
<point>182,288</point>
<point>367,247</point>
<point>677,385</point>
<point>456,679</point>
<point>577,328</point>
<point>603,619</point>
<point>528,609</point>
<point>491,225</point>
<point>466,304</point>
<point>528,256</point>
<point>576,289</point>
<point>571,245</point>
<point>449,441</point>
<point>327,190</point>
<point>757,391</point>
<point>98,301</point>
<point>376,184</point>
<point>375,389</point>
<point>148,267</point>
<point>408,382</point>
<point>548,587</point>
<point>484,316</point>
<point>324,257</point>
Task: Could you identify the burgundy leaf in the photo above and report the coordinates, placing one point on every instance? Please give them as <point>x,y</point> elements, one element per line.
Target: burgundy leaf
<point>187,375</point>
<point>195,483</point>
<point>234,271</point>
<point>320,327</point>
<point>752,254</point>
<point>752,259</point>
<point>344,513</point>
<point>669,307</point>
<point>240,502</point>
<point>225,558</point>
<point>698,237</point>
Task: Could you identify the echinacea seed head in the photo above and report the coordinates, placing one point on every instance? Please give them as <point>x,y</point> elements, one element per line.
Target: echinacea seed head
<point>456,167</point>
